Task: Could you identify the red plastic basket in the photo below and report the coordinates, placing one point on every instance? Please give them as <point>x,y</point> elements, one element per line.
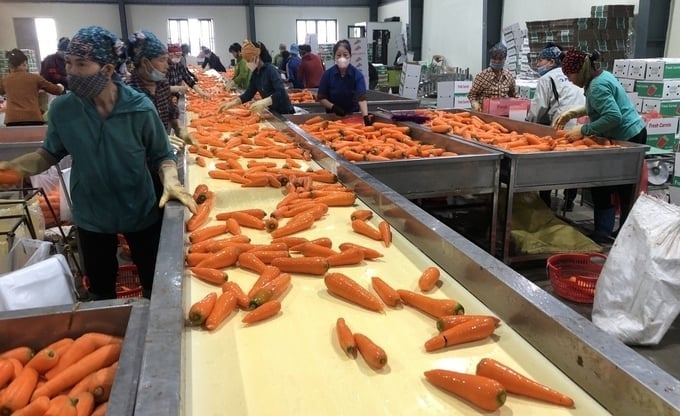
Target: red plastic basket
<point>574,276</point>
<point>125,248</point>
<point>128,284</point>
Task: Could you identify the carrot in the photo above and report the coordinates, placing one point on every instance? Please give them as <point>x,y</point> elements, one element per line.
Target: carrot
<point>270,290</point>
<point>61,405</point>
<point>207,232</point>
<point>369,253</point>
<point>449,321</point>
<point>271,224</point>
<point>200,161</point>
<point>518,384</point>
<point>268,255</point>
<point>100,358</point>
<point>262,312</point>
<point>224,305</point>
<point>386,293</point>
<point>247,220</point>
<point>431,306</point>
<point>84,403</point>
<point>202,214</point>
<point>9,176</point>
<point>293,227</point>
<point>212,276</point>
<point>361,214</point>
<point>310,249</point>
<point>101,383</point>
<point>306,265</point>
<point>81,347</point>
<point>223,258</point>
<point>43,360</point>
<point>268,274</point>
<point>366,229</point>
<point>428,279</point>
<point>101,339</point>
<point>241,298</point>
<point>200,310</point>
<point>23,354</point>
<point>60,345</point>
<point>385,233</point>
<point>375,357</point>
<point>37,407</point>
<point>290,241</point>
<point>481,391</point>
<point>337,199</point>
<point>192,259</point>
<point>101,409</point>
<point>474,330</point>
<point>250,261</point>
<point>16,364</point>
<point>255,212</point>
<point>6,372</point>
<point>18,393</point>
<point>441,128</point>
<point>346,288</point>
<point>345,337</point>
<point>346,257</point>
<point>233,226</point>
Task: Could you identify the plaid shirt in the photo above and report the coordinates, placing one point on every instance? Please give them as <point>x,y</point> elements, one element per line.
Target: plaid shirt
<point>489,85</point>
<point>162,98</point>
<point>178,73</point>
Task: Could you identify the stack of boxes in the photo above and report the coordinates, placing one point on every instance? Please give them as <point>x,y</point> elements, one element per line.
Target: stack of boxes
<point>518,48</point>
<point>410,80</point>
<point>453,94</point>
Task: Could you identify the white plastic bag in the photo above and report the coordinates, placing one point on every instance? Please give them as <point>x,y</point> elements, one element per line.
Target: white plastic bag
<point>637,296</point>
<point>25,252</point>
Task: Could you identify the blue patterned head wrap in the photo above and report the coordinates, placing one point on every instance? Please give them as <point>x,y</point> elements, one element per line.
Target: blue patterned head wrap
<point>498,51</point>
<point>551,52</point>
<point>145,44</point>
<point>96,44</point>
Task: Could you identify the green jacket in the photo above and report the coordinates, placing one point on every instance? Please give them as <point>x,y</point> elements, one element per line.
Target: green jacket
<point>611,112</point>
<point>111,185</point>
<point>241,73</point>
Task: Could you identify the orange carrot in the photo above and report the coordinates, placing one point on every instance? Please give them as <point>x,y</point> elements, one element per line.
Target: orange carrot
<point>43,360</point>
<point>270,290</point>
<point>346,257</point>
<point>241,298</point>
<point>337,199</point>
<point>264,311</point>
<point>375,357</point>
<point>212,276</point>
<point>201,193</point>
<point>207,232</point>
<point>202,214</point>
<point>366,229</point>
<point>348,289</point>
<point>223,258</point>
<point>268,274</point>
<point>345,337</point>
<point>435,307</point>
<point>60,345</point>
<point>481,391</point>
<point>101,409</point>
<point>474,330</point>
<point>290,241</point>
<point>306,265</point>
<point>428,279</point>
<point>224,305</point>
<point>518,384</point>
<point>37,407</point>
<point>9,176</point>
<point>385,233</point>
<point>255,212</point>
<point>449,321</point>
<point>200,161</point>
<point>6,372</point>
<point>271,224</point>
<point>18,393</point>
<point>369,253</point>
<point>200,310</point>
<point>81,347</point>
<point>293,227</point>
<point>388,295</point>
<point>247,220</point>
<point>310,249</point>
<point>100,339</point>
<point>192,259</point>
<point>61,405</point>
<point>102,382</point>
<point>250,261</point>
<point>100,358</point>
<point>84,403</point>
<point>23,354</point>
<point>233,226</point>
<point>16,364</point>
<point>268,255</point>
<point>361,214</point>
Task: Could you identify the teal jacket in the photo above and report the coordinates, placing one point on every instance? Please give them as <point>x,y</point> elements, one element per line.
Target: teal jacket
<point>611,112</point>
<point>241,73</point>
<point>111,185</point>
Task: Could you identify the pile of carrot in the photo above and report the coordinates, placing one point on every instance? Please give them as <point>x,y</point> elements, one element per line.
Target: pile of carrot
<point>67,377</point>
<point>302,96</point>
<point>469,126</point>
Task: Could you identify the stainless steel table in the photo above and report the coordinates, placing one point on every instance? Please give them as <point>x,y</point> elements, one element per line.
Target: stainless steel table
<point>375,100</point>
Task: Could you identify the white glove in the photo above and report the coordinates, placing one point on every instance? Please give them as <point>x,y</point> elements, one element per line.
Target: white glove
<point>172,189</point>
<point>230,85</point>
<point>200,92</point>
<point>574,133</point>
<point>224,107</point>
<point>176,142</point>
<point>564,118</point>
<point>476,106</point>
<point>29,164</point>
<point>260,105</point>
<point>183,134</point>
<point>182,89</point>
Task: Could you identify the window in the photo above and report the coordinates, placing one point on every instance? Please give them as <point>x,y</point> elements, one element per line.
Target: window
<point>193,32</point>
<point>46,31</point>
<point>326,30</point>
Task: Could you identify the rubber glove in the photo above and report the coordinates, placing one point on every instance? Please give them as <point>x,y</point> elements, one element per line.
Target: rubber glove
<point>562,119</point>
<point>200,92</point>
<point>27,165</point>
<point>183,134</point>
<point>176,142</point>
<point>574,133</point>
<point>476,106</point>
<point>260,105</point>
<point>338,111</point>
<point>182,89</point>
<point>172,189</point>
<point>224,107</point>
<point>230,85</point>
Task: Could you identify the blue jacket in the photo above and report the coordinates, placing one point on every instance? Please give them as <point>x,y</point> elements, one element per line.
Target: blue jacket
<point>291,71</point>
<point>267,81</point>
<point>345,92</point>
<point>611,112</point>
<point>111,185</point>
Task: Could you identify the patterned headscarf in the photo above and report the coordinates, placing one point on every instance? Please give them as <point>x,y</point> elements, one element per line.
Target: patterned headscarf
<point>498,51</point>
<point>145,44</point>
<point>551,52</point>
<point>96,44</point>
<point>573,61</point>
<point>249,51</point>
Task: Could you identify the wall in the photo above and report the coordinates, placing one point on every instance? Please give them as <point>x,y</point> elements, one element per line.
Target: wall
<point>68,18</point>
<point>673,37</point>
<point>397,8</point>
<point>522,11</point>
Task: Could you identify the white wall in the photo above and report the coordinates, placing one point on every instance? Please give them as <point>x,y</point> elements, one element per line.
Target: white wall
<point>522,11</point>
<point>276,24</point>
<point>397,8</point>
<point>673,37</point>
<point>453,28</point>
<point>68,18</point>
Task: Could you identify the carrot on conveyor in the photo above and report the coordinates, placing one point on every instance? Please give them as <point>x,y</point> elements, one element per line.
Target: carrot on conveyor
<point>374,355</point>
<point>369,253</point>
<point>345,337</point>
<point>486,393</point>
<point>434,307</point>
<point>387,294</point>
<point>200,310</point>
<point>348,289</point>
<point>366,229</point>
<point>428,279</point>
<point>262,312</point>
<point>469,331</point>
<point>449,321</point>
<point>224,305</point>
<point>305,265</point>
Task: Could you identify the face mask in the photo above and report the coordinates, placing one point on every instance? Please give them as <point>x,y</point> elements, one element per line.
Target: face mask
<point>342,63</point>
<point>175,60</point>
<point>155,75</point>
<point>89,86</point>
<point>496,67</point>
<point>252,65</point>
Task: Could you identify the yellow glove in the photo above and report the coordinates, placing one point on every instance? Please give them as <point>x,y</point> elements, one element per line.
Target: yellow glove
<point>172,189</point>
<point>574,133</point>
<point>560,121</point>
<point>261,105</point>
<point>29,164</point>
<point>183,134</point>
<point>224,107</point>
<point>230,85</point>
<point>176,142</point>
<point>476,106</point>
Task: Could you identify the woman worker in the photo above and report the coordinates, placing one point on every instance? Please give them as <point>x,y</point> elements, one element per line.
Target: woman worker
<point>241,76</point>
<point>612,115</point>
<point>264,79</point>
<point>494,81</point>
<point>21,88</point>
<point>342,89</point>
<point>554,95</point>
<point>111,132</point>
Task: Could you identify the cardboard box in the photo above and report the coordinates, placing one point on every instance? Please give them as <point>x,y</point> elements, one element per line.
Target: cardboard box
<point>616,10</point>
<point>657,126</point>
<point>462,87</point>
<point>662,141</point>
<point>628,84</point>
<point>650,105</point>
<point>636,69</point>
<point>637,102</point>
<point>669,108</point>
<point>620,68</point>
<point>461,101</point>
<point>662,69</point>
<point>445,94</point>
<point>501,106</point>
<point>665,89</point>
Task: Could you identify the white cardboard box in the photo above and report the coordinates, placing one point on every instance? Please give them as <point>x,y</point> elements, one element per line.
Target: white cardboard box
<point>461,101</point>
<point>445,94</point>
<point>662,126</point>
<point>659,69</point>
<point>636,68</point>
<point>620,68</point>
<point>462,87</point>
<point>628,84</point>
<point>649,105</point>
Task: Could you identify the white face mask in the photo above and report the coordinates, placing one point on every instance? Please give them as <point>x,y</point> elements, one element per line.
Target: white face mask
<point>342,62</point>
<point>175,60</point>
<point>252,65</point>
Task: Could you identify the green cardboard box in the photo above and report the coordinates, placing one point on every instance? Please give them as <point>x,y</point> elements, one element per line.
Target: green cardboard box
<point>665,89</point>
<point>662,69</point>
<point>670,108</point>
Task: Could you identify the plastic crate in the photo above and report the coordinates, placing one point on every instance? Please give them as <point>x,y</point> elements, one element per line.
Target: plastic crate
<point>124,246</point>
<point>128,284</point>
<point>574,276</point>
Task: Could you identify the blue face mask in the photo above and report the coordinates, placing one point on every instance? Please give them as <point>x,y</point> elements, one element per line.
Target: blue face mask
<point>542,70</point>
<point>156,75</point>
<point>496,67</point>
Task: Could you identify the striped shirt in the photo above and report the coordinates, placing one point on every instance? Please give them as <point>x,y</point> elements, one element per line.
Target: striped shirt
<point>489,85</point>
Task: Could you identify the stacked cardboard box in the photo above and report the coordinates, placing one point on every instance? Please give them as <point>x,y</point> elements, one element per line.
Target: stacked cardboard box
<point>517,43</point>
<point>526,88</point>
<point>409,81</point>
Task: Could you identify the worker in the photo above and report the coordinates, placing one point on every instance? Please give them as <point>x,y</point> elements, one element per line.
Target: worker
<point>612,115</point>
<point>178,73</point>
<point>264,79</point>
<point>21,89</point>
<point>293,65</point>
<point>311,68</point>
<point>211,60</point>
<point>53,67</point>
<point>342,89</point>
<point>279,56</point>
<point>493,82</point>
<point>554,95</point>
<point>112,132</point>
<point>241,76</point>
